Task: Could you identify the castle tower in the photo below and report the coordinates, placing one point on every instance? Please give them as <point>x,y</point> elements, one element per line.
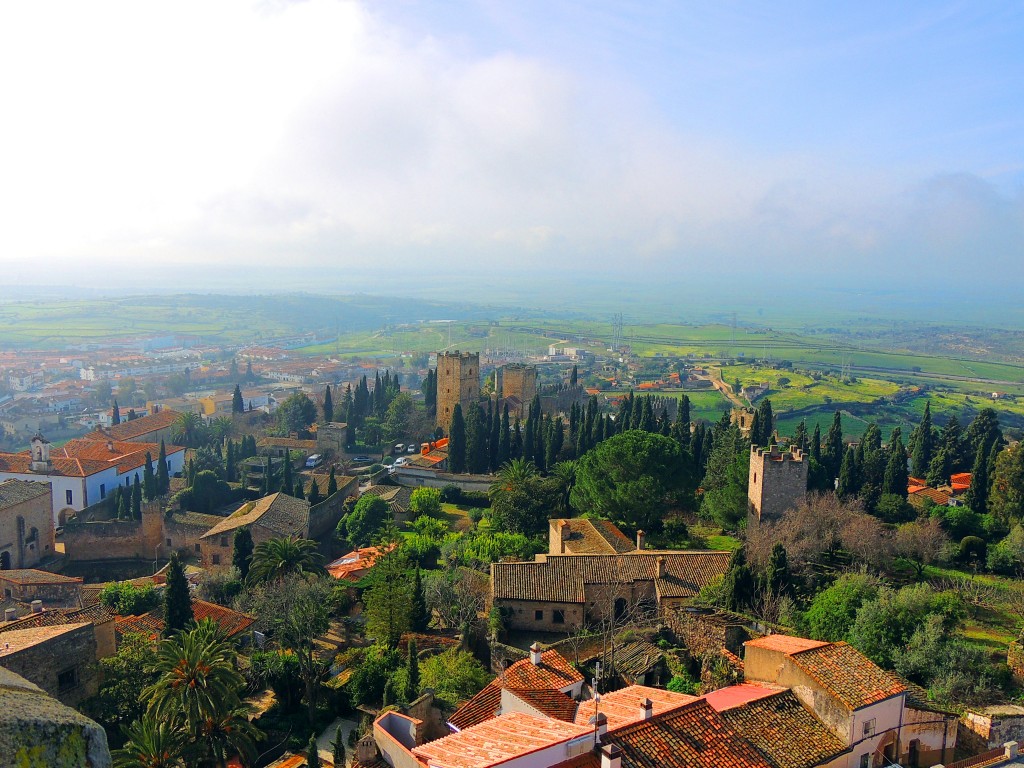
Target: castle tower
<point>777,482</point>
<point>40,449</point>
<point>458,381</point>
<point>519,381</point>
<point>743,418</point>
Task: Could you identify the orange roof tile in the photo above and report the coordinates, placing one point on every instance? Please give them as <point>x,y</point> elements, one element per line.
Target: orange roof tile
<point>849,675</point>
<point>623,707</point>
<point>143,425</point>
<point>152,623</point>
<point>738,695</point>
<point>784,643</point>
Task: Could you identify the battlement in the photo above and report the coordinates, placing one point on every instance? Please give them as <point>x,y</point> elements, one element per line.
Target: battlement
<point>468,357</point>
<point>777,482</point>
<point>774,453</point>
<point>458,382</point>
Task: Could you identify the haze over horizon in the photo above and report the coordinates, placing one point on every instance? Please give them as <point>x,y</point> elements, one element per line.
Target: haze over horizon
<point>290,145</point>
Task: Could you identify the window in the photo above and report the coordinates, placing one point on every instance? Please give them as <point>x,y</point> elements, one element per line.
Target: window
<point>869,727</point>
<point>558,617</point>
<point>216,559</point>
<point>865,761</point>
<point>103,490</point>
<point>538,615</point>
<point>67,679</point>
<point>168,542</point>
<point>69,498</point>
<point>197,546</point>
<point>223,541</point>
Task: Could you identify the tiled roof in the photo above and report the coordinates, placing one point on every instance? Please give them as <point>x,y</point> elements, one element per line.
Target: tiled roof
<point>97,614</point>
<point>31,576</point>
<point>286,442</point>
<point>784,643</point>
<point>784,731</point>
<point>634,658</point>
<point>124,454</point>
<point>850,676</point>
<point>623,707</point>
<point>593,537</point>
<point>128,430</point>
<point>479,709</point>
<point>551,703</point>
<point>562,578</point>
<point>17,491</point>
<point>692,736</point>
<point>940,497</point>
<point>194,520</point>
<point>152,623</point>
<point>497,741</point>
<point>351,567</point>
<point>21,463</point>
<point>282,514</point>
<point>20,639</point>
<point>738,695</point>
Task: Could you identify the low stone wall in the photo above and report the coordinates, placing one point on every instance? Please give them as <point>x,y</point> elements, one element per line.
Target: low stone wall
<point>324,517</point>
<point>706,633</point>
<point>415,478</point>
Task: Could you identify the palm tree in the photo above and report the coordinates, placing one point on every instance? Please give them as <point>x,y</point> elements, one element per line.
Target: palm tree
<point>278,557</point>
<point>513,476</point>
<point>220,428</point>
<point>151,743</point>
<point>230,734</point>
<point>564,472</point>
<point>188,429</point>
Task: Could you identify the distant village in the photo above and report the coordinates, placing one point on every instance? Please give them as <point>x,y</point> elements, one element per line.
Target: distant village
<point>475,560</point>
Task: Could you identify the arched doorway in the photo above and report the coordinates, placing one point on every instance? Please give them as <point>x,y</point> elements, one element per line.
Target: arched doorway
<point>620,607</point>
<point>5,561</point>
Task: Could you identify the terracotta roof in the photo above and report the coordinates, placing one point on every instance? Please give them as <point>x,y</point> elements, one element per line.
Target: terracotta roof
<point>152,623</point>
<point>692,736</point>
<point>280,513</point>
<point>128,430</point>
<point>593,537</point>
<point>20,639</point>
<point>633,659</point>
<point>124,454</point>
<point>554,704</point>
<point>940,497</point>
<point>850,676</point>
<point>31,576</point>
<point>960,478</point>
<point>351,567</point>
<point>17,491</point>
<point>738,695</point>
<point>21,463</point>
<point>562,578</point>
<point>553,673</point>
<point>623,707</point>
<point>784,643</point>
<point>783,731</point>
<point>498,740</point>
<point>97,614</point>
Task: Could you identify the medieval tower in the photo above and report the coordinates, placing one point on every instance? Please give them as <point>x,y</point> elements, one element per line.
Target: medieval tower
<point>458,381</point>
<point>777,482</point>
<point>519,381</point>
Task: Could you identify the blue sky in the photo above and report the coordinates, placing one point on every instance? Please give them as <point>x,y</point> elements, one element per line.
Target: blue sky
<point>864,140</point>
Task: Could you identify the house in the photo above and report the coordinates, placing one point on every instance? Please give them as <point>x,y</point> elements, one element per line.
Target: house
<point>580,536</point>
<point>53,590</point>
<point>563,593</point>
<point>26,523</point>
<point>60,659</point>
<point>152,625</point>
<point>100,616</point>
<point>356,564</point>
<point>271,517</point>
<point>35,729</point>
<point>153,428</point>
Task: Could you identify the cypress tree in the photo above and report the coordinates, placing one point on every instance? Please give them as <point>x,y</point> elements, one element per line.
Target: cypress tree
<point>494,442</point>
<point>767,419</point>
<point>229,463</point>
<point>816,444</point>
<point>412,672</point>
<point>683,414</point>
<point>149,479</point>
<point>116,415</point>
<point>190,473</point>
<point>286,475</point>
<point>777,574</point>
<point>895,479</point>
<point>738,586</point>
<point>314,493</point>
<point>574,376</point>
<point>977,495</point>
<point>122,505</point>
<point>241,553</point>
<point>419,618</point>
<point>237,403</point>
<point>332,484</point>
<point>136,499</point>
<point>476,440</point>
<point>516,447</point>
<point>832,455</point>
<point>755,429</point>
<point>528,431</point>
<point>922,439</point>
<point>268,478</point>
<point>163,481</point>
<point>177,601</point>
<point>328,405</point>
<point>849,482</point>
<point>297,491</point>
<point>312,753</point>
<point>338,747</point>
<point>249,375</point>
<point>457,442</point>
<point>554,447</point>
<point>800,435</point>
<point>504,439</point>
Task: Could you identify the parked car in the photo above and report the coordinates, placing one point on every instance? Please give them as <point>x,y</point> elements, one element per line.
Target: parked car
<point>412,448</point>
<point>314,461</point>
<point>362,460</point>
<point>401,461</point>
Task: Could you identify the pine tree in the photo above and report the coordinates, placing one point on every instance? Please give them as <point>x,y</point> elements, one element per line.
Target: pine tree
<point>136,499</point>
<point>977,495</point>
<point>923,444</point>
<point>241,554</point>
<point>412,672</point>
<point>163,481</point>
<point>457,442</point>
<point>297,491</point>
<point>312,753</point>
<point>177,601</point>
<point>314,493</point>
<point>419,618</point>
<point>115,418</point>
<point>237,403</point>
<point>332,484</point>
<point>328,405</point>
<point>148,478</point>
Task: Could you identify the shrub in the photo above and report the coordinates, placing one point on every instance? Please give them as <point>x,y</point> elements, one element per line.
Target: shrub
<point>128,599</point>
<point>972,547</point>
<point>451,494</point>
<point>683,684</point>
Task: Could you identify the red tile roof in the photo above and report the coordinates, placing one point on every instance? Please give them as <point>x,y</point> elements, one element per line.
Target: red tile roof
<point>623,707</point>
<point>128,430</point>
<point>554,704</point>
<point>850,676</point>
<point>738,695</point>
<point>152,623</point>
<point>784,643</point>
<point>352,566</point>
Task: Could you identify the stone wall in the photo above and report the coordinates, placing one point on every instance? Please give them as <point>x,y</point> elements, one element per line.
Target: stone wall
<point>777,482</point>
<point>992,727</point>
<point>26,527</point>
<point>458,381</point>
<point>522,615</point>
<point>705,633</point>
<point>324,517</point>
<point>63,665</point>
<point>504,656</point>
<point>54,595</point>
<point>117,539</point>
<point>414,477</point>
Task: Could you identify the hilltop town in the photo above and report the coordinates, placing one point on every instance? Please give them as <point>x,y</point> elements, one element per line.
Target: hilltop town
<point>480,559</point>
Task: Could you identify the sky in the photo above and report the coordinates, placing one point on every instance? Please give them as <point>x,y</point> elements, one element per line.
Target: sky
<point>339,145</point>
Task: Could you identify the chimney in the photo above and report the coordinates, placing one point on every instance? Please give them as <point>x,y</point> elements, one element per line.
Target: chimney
<point>661,567</point>
<point>600,723</point>
<point>641,539</point>
<point>564,532</point>
<point>37,606</point>
<point>1010,750</point>
<point>10,614</point>
<point>110,445</point>
<point>366,750</point>
<point>535,654</point>
<point>611,756</point>
<point>646,709</point>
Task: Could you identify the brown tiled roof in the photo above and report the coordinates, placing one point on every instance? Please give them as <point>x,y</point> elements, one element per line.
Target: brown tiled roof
<point>17,491</point>
<point>31,576</point>
<point>21,463</point>
<point>127,430</point>
<point>20,639</point>
<point>125,455</point>
<point>634,658</point>
<point>152,623</point>
<point>848,675</point>
<point>692,736</point>
<point>97,614</point>
<point>593,537</point>
<point>280,513</point>
<point>562,578</point>
<point>552,703</point>
<point>784,732</point>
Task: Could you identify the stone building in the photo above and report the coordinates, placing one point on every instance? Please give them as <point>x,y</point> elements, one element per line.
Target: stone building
<point>60,659</point>
<point>777,482</point>
<point>458,381</point>
<point>742,418</point>
<point>272,516</point>
<point>26,523</point>
<point>36,730</point>
<point>331,437</point>
<point>520,382</point>
<point>53,590</point>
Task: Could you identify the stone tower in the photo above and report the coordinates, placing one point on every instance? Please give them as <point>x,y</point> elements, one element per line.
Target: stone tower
<point>777,482</point>
<point>519,381</point>
<point>40,449</point>
<point>458,381</point>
